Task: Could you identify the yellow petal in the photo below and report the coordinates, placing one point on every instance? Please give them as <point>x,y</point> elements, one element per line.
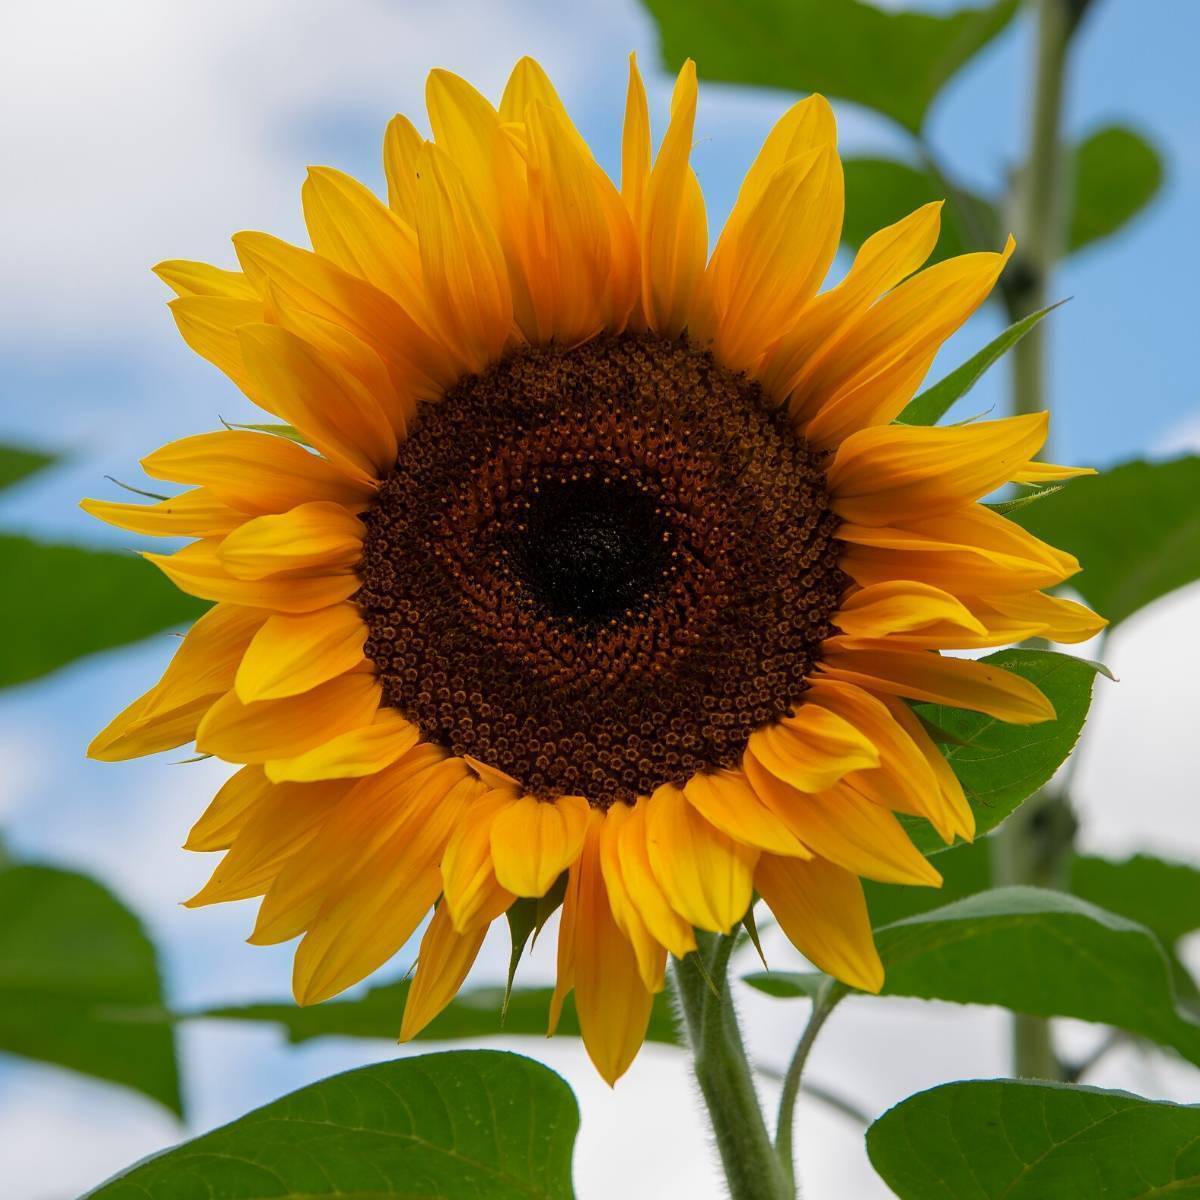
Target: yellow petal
<point>726,800</point>
<point>902,606</point>
<point>443,961</point>
<point>284,820</point>
<point>812,749</point>
<point>297,280</point>
<point>197,513</point>
<point>822,910</point>
<point>200,672</point>
<point>341,418</point>
<point>229,810</point>
<point>350,227</point>
<point>527,85</point>
<point>771,259</point>
<point>808,125</point>
<point>612,1001</point>
<point>635,145</point>
<point>256,472</point>
<point>291,654</point>
<point>674,229</point>
<point>209,325</point>
<point>650,954</point>
<point>1040,472</point>
<point>318,535</point>
<point>401,143</point>
<point>1052,617</point>
<point>882,261</point>
<point>469,881</point>
<point>704,873</point>
<point>642,889</point>
<point>866,379</point>
<point>350,755</point>
<point>371,812</point>
<point>958,682</point>
<point>186,278</point>
<point>894,473</point>
<point>845,827</point>
<point>466,278</point>
<point>196,570</point>
<point>535,841</point>
<point>379,909</point>
<point>284,728</point>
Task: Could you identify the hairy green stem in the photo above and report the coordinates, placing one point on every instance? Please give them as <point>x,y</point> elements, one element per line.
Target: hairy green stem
<point>823,1004</point>
<point>1034,847</point>
<point>752,1169</point>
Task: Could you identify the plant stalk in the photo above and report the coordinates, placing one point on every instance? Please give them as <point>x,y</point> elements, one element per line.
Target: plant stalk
<point>1034,847</point>
<point>752,1169</point>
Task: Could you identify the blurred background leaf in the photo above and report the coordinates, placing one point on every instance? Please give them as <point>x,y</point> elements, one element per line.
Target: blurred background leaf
<point>457,1126</point>
<point>16,463</point>
<point>893,62</point>
<point>1116,174</point>
<point>1135,529</point>
<point>73,601</point>
<point>79,982</point>
<point>1037,952</point>
<point>1026,1140</point>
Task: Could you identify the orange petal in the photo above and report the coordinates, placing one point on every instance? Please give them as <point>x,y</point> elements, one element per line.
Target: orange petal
<point>197,513</point>
<point>401,144</point>
<point>726,800</point>
<point>186,278</point>
<point>229,810</point>
<point>350,755</point>
<point>469,881</point>
<point>903,606</point>
<point>535,841</point>
<point>704,873</point>
<point>443,961</point>
<point>822,910</point>
<point>314,536</point>
<point>812,749</point>
<point>291,654</point>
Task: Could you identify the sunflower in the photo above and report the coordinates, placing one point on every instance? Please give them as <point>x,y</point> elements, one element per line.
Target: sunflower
<point>584,564</point>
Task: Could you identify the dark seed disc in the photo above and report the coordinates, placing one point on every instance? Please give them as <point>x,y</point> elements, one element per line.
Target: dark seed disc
<point>600,569</point>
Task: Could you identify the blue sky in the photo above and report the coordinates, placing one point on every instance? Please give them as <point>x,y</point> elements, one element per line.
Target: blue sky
<point>154,131</point>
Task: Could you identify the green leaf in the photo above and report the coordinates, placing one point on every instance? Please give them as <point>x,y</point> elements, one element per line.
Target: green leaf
<point>934,402</point>
<point>17,463</point>
<point>1135,529</point>
<point>67,601</point>
<point>474,1013</point>
<point>989,1139</point>
<point>1117,173</point>
<point>1163,896</point>
<point>965,870</point>
<point>457,1126</point>
<point>1001,765</point>
<point>893,62</point>
<point>879,191</point>
<point>1037,952</point>
<point>79,983</point>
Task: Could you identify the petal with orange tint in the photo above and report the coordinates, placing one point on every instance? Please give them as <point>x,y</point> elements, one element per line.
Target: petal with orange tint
<point>350,755</point>
<point>196,570</point>
<point>822,910</point>
<point>469,881</point>
<point>193,514</point>
<point>902,606</point>
<point>704,873</point>
<point>650,954</point>
<point>1053,617</point>
<point>209,325</point>
<point>642,889</point>
<point>319,535</point>
<point>958,682</point>
<point>535,841</point>
<point>1041,472</point>
<point>443,961</point>
<point>270,729</point>
<point>812,749</point>
<point>293,653</point>
<point>229,810</point>
<point>894,473</point>
<point>401,143</point>
<point>612,1001</point>
<point>186,278</point>
<point>635,144</point>
<point>256,472</point>
<point>725,799</point>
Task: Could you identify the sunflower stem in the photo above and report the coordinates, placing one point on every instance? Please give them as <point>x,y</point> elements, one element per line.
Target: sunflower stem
<point>1035,846</point>
<point>752,1169</point>
<point>824,1003</point>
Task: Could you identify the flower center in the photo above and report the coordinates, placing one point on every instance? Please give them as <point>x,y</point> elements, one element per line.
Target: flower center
<point>599,569</point>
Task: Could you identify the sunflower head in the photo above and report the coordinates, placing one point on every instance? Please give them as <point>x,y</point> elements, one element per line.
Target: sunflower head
<point>592,564</point>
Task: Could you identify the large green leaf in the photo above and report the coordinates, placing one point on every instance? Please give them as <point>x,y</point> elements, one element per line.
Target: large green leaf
<point>1009,1139</point>
<point>935,402</point>
<point>79,982</point>
<point>62,602</point>
<point>17,462</point>
<point>474,1013</point>
<point>879,191</point>
<point>1001,765</point>
<point>893,62</point>
<point>1163,896</point>
<point>1116,174</point>
<point>465,1125</point>
<point>1037,952</point>
<point>1135,529</point>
